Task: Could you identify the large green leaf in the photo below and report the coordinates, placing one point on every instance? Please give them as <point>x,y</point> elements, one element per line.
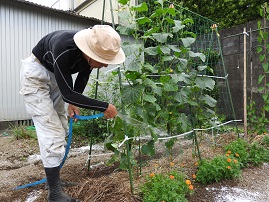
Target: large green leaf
<point>178,26</point>
<point>149,98</point>
<point>208,100</point>
<point>148,148</point>
<point>170,86</point>
<point>143,20</point>
<point>200,55</point>
<point>188,41</point>
<point>205,82</point>
<point>141,7</point>
<point>181,77</point>
<point>162,37</point>
<point>131,94</point>
<point>151,50</point>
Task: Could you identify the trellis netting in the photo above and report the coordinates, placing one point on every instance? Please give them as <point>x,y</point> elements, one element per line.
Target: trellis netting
<point>154,128</point>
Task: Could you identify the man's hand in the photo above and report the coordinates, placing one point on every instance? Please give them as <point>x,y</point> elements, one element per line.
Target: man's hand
<point>72,110</point>
<point>110,112</point>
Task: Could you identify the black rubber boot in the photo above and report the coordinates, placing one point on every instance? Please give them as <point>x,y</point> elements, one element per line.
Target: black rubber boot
<point>55,191</point>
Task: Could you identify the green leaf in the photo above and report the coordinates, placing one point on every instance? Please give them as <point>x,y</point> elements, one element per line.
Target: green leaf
<point>261,77</point>
<point>261,88</point>
<point>200,55</point>
<point>174,48</point>
<point>162,37</point>
<point>143,20</point>
<point>140,7</point>
<point>148,148</point>
<point>178,26</point>
<point>265,97</point>
<point>151,50</point>
<point>149,98</point>
<point>170,86</point>
<point>165,50</point>
<point>261,57</point>
<point>181,77</point>
<point>182,64</point>
<point>187,42</point>
<point>131,94</point>
<point>201,68</point>
<point>259,49</point>
<point>123,2</point>
<point>208,100</point>
<point>205,82</point>
<point>167,58</point>
<point>265,66</point>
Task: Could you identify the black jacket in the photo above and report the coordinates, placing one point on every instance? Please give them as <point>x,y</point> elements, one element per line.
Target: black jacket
<point>58,53</point>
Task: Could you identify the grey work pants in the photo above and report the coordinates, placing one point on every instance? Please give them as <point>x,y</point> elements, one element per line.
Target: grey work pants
<point>44,103</point>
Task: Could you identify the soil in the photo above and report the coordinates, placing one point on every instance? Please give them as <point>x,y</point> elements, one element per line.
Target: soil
<point>20,164</point>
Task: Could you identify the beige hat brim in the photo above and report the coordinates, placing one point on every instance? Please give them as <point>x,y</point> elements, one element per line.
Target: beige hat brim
<point>80,39</point>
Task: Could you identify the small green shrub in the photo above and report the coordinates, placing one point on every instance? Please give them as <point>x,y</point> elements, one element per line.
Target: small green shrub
<point>239,147</point>
<point>169,187</point>
<point>21,132</point>
<point>258,154</point>
<point>219,168</point>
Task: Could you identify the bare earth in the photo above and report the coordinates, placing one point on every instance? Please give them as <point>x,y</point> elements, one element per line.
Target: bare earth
<point>20,164</point>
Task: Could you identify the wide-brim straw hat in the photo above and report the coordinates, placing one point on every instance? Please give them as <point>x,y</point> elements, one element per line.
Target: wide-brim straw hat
<point>101,43</point>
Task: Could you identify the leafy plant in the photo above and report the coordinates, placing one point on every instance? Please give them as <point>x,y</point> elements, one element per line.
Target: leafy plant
<point>258,114</point>
<point>169,187</point>
<point>219,168</point>
<point>21,132</point>
<point>239,147</point>
<point>164,89</point>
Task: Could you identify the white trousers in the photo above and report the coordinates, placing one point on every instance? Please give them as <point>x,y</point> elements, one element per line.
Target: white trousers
<point>44,103</point>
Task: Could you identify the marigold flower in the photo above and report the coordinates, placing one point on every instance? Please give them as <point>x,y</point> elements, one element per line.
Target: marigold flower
<point>156,165</point>
<point>188,182</point>
<point>227,154</point>
<point>190,187</point>
<point>172,164</point>
<point>193,176</point>
<point>237,155</point>
<point>172,177</point>
<point>229,160</point>
<point>229,167</point>
<point>196,164</point>
<point>151,174</point>
<point>235,161</point>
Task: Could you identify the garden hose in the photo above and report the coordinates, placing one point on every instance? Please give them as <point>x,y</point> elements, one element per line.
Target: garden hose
<point>66,149</point>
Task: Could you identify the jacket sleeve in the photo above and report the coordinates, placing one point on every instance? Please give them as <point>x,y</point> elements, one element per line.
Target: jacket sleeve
<point>73,94</point>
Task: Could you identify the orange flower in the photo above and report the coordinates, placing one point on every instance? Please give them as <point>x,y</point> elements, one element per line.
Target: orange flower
<point>229,167</point>
<point>172,177</point>
<point>183,164</point>
<point>227,154</point>
<point>235,161</point>
<point>196,164</point>
<point>156,165</point>
<point>151,174</point>
<point>237,155</point>
<point>190,187</point>
<point>172,164</point>
<point>188,182</point>
<point>229,160</point>
<point>193,176</point>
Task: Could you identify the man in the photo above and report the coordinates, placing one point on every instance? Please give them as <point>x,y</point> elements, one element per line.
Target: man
<point>46,78</point>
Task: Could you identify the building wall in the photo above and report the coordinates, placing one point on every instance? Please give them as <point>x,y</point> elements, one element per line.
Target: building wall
<point>21,27</point>
<point>232,41</point>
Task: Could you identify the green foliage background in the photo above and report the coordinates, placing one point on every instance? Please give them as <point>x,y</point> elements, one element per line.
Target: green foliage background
<point>227,13</point>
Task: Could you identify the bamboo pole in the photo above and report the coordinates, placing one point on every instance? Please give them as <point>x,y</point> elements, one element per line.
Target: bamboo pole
<point>245,82</point>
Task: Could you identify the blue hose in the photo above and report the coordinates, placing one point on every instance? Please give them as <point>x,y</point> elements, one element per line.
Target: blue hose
<point>66,149</point>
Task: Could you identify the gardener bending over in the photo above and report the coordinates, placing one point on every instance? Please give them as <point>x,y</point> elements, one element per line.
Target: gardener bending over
<point>46,79</point>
